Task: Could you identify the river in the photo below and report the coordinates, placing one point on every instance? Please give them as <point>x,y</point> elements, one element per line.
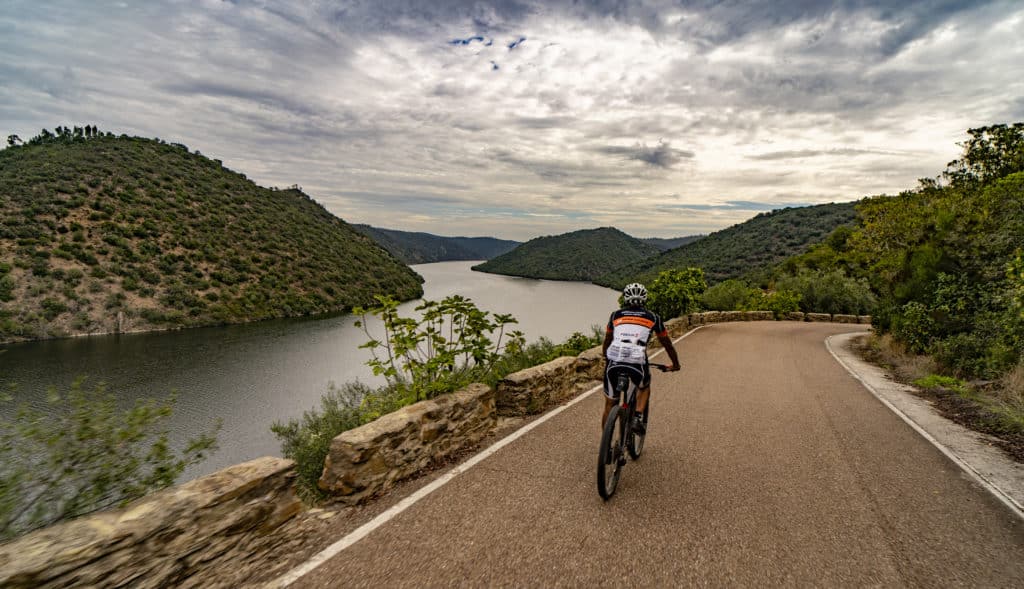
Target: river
<point>252,375</point>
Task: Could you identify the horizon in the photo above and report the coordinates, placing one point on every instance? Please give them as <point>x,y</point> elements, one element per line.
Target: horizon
<point>522,119</point>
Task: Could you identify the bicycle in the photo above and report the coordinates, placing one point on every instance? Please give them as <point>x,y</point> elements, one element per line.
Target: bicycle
<point>612,455</point>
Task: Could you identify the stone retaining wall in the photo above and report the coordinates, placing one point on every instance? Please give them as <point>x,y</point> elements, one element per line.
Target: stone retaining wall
<point>178,537</point>
<point>370,459</point>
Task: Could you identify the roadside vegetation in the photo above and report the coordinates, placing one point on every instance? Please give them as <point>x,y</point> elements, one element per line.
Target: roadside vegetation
<point>101,231</point>
<point>84,454</point>
<point>448,345</point>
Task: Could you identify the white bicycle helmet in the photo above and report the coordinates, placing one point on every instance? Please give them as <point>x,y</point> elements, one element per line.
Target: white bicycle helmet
<point>634,295</point>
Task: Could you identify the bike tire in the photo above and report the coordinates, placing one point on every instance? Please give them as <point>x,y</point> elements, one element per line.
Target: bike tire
<point>611,457</point>
<point>636,441</point>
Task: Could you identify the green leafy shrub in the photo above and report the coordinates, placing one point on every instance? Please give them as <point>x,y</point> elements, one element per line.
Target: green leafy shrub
<point>676,292</point>
<point>729,295</point>
<point>447,347</point>
<point>914,326</point>
<point>307,440</point>
<point>830,292</point>
<point>84,455</point>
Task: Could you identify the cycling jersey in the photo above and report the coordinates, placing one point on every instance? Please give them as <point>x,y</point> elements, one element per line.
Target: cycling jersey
<point>631,329</point>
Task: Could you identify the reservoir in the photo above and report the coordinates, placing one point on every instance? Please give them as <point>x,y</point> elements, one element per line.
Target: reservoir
<point>253,375</point>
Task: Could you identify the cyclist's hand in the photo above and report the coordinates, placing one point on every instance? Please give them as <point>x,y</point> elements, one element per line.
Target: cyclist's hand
<point>673,368</point>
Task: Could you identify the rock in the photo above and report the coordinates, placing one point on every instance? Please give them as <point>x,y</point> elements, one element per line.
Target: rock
<point>864,319</point>
<point>795,316</point>
<point>372,458</point>
<point>170,538</point>
<point>844,319</point>
<point>818,317</point>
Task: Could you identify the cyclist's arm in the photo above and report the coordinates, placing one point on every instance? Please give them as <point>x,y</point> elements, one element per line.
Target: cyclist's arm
<point>666,342</point>
<point>607,342</point>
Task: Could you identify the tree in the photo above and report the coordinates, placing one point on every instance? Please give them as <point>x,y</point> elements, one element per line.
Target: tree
<point>13,140</point>
<point>84,455</point>
<point>991,152</point>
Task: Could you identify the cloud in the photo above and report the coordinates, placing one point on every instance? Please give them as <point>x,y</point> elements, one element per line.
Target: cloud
<point>660,156</point>
<point>434,113</point>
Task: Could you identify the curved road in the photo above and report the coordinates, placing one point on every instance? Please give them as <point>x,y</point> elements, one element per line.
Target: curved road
<point>766,464</point>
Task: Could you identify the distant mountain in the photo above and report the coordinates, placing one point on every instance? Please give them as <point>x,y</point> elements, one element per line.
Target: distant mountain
<point>667,244</point>
<point>757,244</point>
<point>423,248</point>
<point>580,255</point>
<point>102,233</point>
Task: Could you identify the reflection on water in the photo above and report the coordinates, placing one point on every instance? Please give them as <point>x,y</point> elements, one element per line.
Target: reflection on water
<point>252,375</point>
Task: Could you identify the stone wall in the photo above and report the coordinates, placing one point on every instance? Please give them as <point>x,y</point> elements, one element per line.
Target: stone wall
<point>370,459</point>
<point>178,537</point>
<point>533,390</point>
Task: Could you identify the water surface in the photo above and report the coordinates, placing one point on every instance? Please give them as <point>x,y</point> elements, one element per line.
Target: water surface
<point>251,375</point>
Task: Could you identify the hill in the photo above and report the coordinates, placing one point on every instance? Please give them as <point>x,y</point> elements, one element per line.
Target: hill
<point>755,245</point>
<point>422,248</point>
<point>103,233</point>
<point>671,243</point>
<point>580,255</point>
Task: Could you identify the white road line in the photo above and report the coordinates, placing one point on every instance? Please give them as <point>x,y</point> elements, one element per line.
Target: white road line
<point>967,468</point>
<point>358,534</point>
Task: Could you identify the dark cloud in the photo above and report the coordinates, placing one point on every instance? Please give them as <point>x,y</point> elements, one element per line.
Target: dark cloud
<point>516,43</point>
<point>660,156</point>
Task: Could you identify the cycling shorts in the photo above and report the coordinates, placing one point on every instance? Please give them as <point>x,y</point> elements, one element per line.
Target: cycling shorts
<point>640,374</point>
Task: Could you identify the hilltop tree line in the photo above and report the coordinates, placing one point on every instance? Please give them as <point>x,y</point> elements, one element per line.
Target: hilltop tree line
<point>59,135</point>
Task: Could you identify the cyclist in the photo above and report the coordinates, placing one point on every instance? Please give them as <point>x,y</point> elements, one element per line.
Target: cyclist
<point>625,348</point>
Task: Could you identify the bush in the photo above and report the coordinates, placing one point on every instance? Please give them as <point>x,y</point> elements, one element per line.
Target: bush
<point>830,292</point>
<point>83,455</point>
<point>676,292</point>
<point>913,325</point>
<point>730,295</point>
<point>448,347</point>
<point>307,440</point>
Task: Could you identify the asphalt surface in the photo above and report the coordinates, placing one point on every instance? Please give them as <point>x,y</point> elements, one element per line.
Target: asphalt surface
<point>766,464</point>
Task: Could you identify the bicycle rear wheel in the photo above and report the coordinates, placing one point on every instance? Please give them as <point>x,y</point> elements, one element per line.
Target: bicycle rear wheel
<point>611,457</point>
<point>636,441</point>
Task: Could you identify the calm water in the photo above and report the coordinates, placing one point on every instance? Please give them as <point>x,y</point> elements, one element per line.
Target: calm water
<point>252,375</point>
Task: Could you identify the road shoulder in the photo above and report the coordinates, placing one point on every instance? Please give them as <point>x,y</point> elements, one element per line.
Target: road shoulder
<point>972,451</point>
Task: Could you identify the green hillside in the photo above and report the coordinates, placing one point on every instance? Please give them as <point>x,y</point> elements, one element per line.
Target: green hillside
<point>422,248</point>
<point>757,244</point>
<point>580,255</point>
<point>671,243</point>
<point>102,233</point>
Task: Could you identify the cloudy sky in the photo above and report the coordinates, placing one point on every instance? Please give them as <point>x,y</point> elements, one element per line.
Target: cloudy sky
<point>519,118</point>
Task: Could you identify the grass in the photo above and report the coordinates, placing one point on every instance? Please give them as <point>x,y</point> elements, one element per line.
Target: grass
<point>991,407</point>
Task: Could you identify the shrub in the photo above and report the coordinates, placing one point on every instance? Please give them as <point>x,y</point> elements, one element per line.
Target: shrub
<point>830,292</point>
<point>914,326</point>
<point>729,295</point>
<point>676,292</point>
<point>448,347</point>
<point>307,440</point>
<point>83,455</point>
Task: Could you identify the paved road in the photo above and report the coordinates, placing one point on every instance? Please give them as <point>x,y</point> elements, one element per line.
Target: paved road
<point>766,464</point>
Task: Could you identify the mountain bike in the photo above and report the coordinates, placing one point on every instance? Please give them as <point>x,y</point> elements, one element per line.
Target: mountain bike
<point>619,437</point>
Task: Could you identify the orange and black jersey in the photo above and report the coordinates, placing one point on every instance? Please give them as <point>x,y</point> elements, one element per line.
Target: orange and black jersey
<point>631,329</point>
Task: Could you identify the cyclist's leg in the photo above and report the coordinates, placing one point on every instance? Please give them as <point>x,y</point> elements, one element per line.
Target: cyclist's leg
<point>608,404</point>
<point>609,395</point>
<point>644,391</point>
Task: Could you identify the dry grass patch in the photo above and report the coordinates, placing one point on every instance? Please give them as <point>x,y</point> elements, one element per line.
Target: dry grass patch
<point>995,408</point>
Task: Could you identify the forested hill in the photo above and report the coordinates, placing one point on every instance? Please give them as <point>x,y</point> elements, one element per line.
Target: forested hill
<point>102,233</point>
<point>422,248</point>
<point>757,244</point>
<point>580,255</point>
<point>674,242</point>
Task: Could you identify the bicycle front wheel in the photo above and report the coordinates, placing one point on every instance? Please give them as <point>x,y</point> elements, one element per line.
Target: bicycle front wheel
<point>611,457</point>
